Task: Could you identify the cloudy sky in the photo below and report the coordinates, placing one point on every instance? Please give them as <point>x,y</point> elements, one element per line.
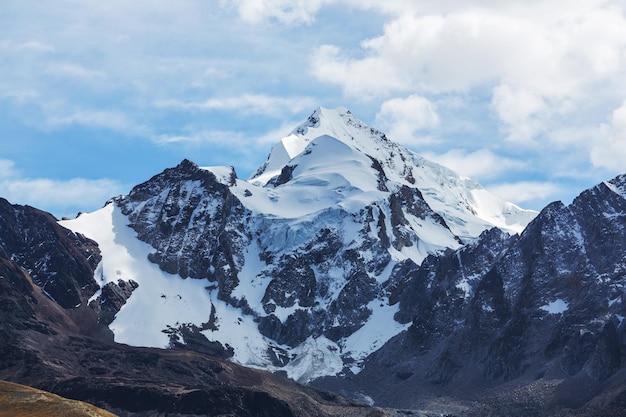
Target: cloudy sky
<point>528,97</point>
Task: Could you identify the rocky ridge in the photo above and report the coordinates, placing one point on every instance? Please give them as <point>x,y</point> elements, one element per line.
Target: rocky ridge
<point>542,312</point>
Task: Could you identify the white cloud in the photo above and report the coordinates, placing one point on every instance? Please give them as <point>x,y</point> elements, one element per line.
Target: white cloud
<point>57,196</point>
<point>364,78</point>
<point>7,168</point>
<point>285,11</point>
<point>518,109</point>
<point>33,46</point>
<point>525,192</point>
<point>237,141</point>
<point>19,96</point>
<point>74,71</point>
<point>610,150</point>
<point>247,103</point>
<point>479,165</point>
<point>107,119</point>
<point>471,46</point>
<point>401,118</point>
<point>60,197</point>
<point>540,62</point>
<point>222,139</point>
<point>423,53</point>
<point>273,136</point>
<point>209,76</point>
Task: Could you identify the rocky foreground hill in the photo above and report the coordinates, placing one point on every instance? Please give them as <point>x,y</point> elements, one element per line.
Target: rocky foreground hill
<point>21,401</point>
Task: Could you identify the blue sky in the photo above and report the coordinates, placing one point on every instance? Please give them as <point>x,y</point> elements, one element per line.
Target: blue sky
<point>528,97</point>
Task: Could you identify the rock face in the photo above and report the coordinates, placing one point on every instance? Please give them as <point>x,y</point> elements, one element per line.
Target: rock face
<point>60,262</point>
<point>543,307</point>
<point>113,296</point>
<point>194,222</point>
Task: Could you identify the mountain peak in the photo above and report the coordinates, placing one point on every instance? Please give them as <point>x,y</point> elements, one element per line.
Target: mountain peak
<point>325,116</point>
<point>338,123</point>
<point>334,143</point>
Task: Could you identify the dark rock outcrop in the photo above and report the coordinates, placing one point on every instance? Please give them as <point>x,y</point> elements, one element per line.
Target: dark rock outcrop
<point>59,261</point>
<point>111,299</point>
<point>193,221</point>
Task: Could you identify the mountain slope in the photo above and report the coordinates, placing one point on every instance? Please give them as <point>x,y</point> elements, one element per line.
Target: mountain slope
<point>18,401</point>
<point>69,351</point>
<point>289,271</point>
<point>540,313</point>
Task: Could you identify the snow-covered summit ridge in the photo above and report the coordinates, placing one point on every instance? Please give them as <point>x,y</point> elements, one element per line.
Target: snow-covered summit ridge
<point>617,185</point>
<point>368,158</point>
<point>338,123</point>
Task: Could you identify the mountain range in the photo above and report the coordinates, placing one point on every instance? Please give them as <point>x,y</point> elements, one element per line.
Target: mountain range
<point>346,262</point>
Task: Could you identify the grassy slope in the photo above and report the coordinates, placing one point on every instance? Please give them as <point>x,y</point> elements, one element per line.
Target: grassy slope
<point>22,401</point>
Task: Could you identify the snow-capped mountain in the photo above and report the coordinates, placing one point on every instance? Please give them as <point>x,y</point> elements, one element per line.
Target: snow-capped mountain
<point>346,261</point>
<point>541,315</point>
<point>292,270</point>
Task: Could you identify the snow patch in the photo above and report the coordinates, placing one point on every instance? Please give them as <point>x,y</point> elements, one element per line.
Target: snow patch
<point>557,306</point>
<point>224,174</point>
<point>377,331</point>
<point>161,300</point>
<point>314,358</point>
<point>621,191</point>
